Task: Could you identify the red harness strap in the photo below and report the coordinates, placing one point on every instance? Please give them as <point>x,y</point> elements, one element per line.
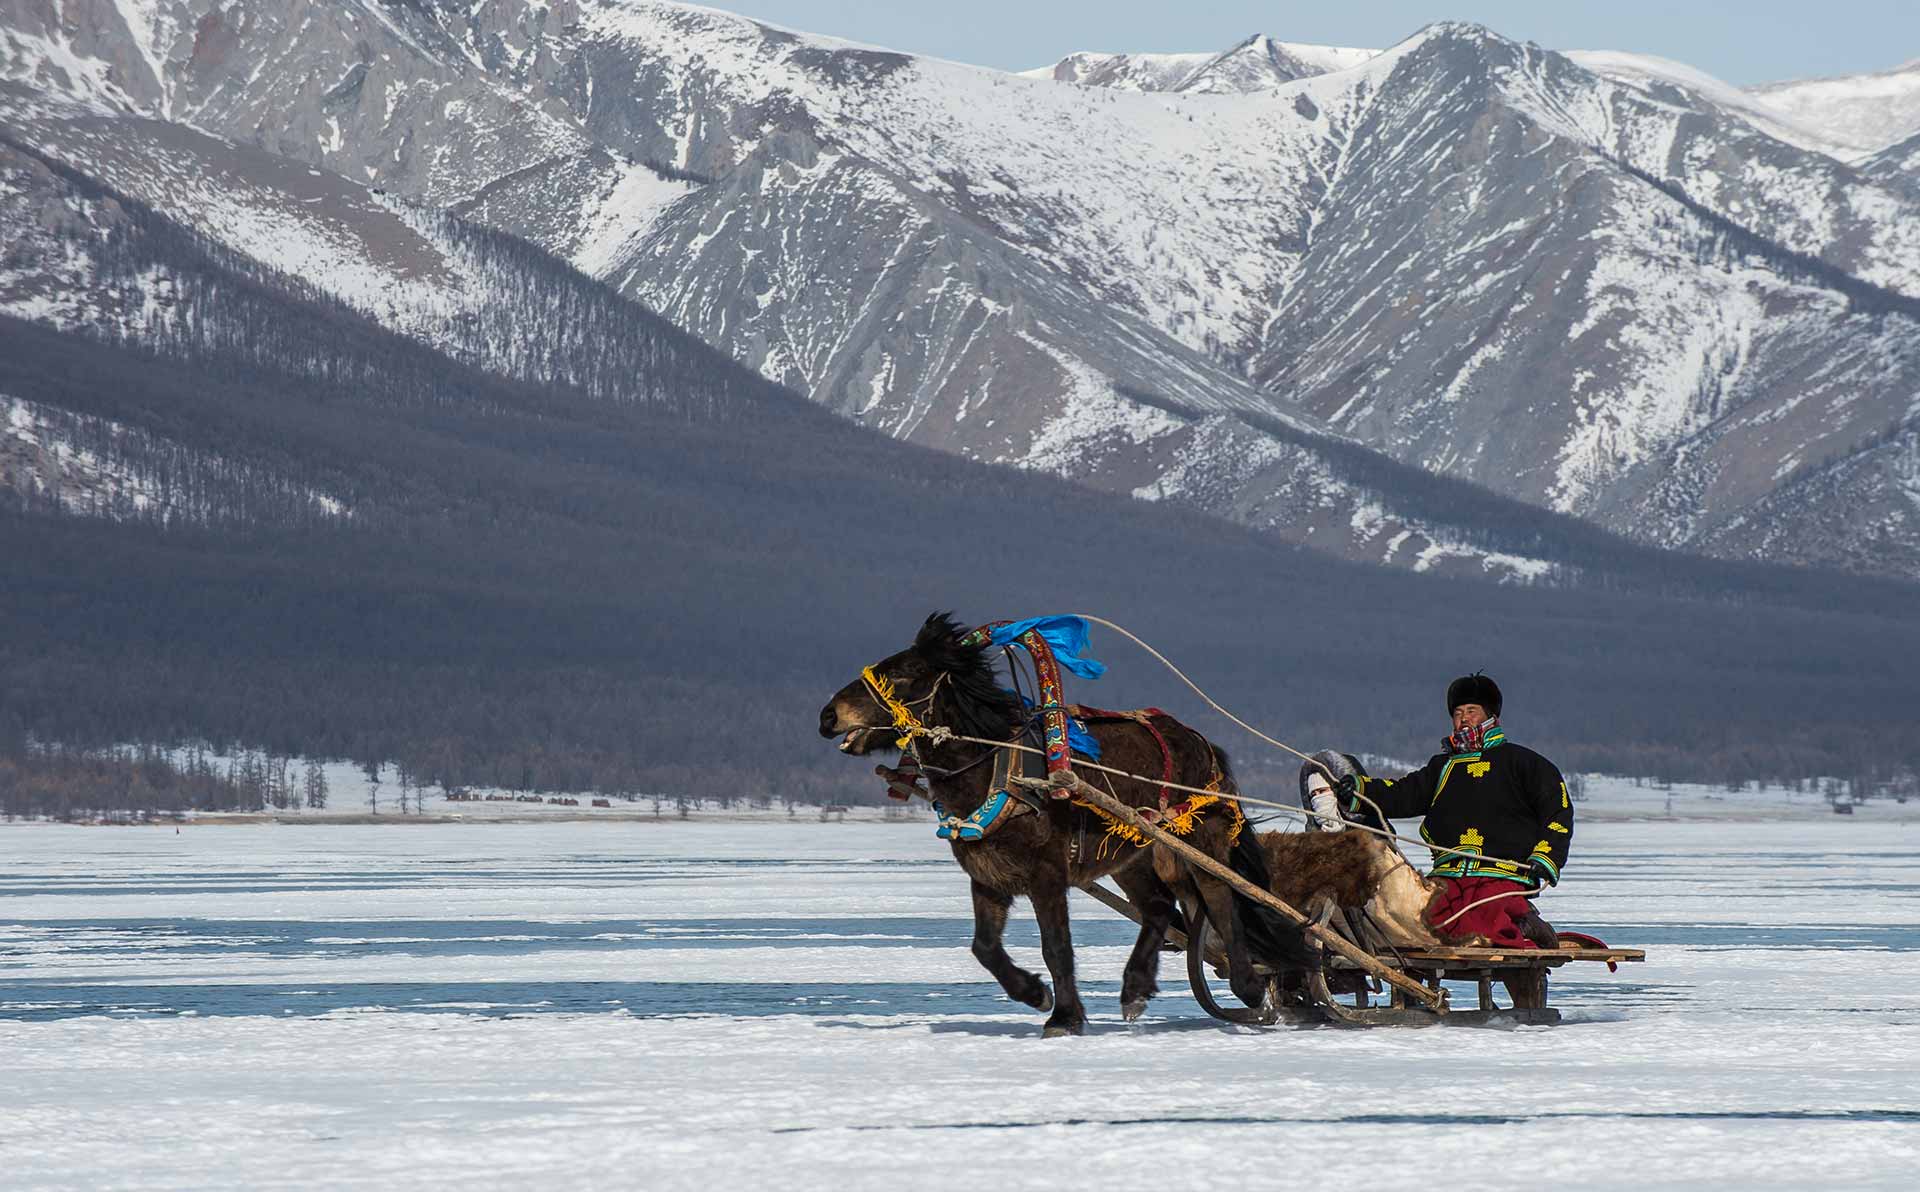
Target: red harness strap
<point>1144,717</point>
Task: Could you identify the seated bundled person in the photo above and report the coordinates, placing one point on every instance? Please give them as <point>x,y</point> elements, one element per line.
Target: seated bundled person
<point>1496,814</point>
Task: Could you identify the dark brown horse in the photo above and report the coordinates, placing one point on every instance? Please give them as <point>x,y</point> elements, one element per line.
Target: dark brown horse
<point>1041,853</point>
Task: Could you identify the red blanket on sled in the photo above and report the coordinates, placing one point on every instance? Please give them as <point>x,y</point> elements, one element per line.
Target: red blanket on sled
<point>1499,921</point>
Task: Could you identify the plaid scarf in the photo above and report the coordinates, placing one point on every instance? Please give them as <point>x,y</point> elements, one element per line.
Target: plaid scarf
<point>1482,736</point>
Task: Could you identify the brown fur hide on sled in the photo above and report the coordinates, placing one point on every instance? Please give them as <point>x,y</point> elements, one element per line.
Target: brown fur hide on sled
<point>1355,871</point>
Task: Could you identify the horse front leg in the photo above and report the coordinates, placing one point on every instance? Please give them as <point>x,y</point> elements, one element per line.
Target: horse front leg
<point>1140,981</point>
<point>989,927</point>
<point>1049,899</point>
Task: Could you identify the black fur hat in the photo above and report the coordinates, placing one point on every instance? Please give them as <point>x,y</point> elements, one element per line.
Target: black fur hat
<point>1475,688</point>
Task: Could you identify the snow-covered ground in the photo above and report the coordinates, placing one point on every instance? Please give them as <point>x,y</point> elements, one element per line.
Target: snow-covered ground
<point>701,1005</point>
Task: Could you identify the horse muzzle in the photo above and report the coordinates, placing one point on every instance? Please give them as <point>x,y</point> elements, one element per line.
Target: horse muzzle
<point>862,741</point>
<point>856,738</point>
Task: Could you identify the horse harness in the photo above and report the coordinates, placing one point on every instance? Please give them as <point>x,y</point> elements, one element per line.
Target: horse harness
<point>1007,800</point>
<point>1051,722</point>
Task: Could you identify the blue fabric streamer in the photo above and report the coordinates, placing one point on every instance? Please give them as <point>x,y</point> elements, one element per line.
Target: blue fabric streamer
<point>1067,635</point>
<point>1078,738</point>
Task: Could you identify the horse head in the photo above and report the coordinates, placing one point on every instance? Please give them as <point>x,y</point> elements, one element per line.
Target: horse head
<point>939,679</point>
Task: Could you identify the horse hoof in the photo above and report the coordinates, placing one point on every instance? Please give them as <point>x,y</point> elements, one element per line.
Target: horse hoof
<point>1133,1009</point>
<point>1061,1030</point>
<point>1045,1004</point>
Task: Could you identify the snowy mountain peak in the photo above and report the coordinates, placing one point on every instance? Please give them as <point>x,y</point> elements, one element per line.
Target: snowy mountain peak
<point>1647,72</point>
<point>1865,112</point>
<point>1257,63</point>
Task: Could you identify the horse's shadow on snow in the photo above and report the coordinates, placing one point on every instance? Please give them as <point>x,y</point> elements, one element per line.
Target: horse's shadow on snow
<point>1031,1030</point>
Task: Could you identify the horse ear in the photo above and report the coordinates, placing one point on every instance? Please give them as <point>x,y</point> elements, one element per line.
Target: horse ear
<point>938,631</point>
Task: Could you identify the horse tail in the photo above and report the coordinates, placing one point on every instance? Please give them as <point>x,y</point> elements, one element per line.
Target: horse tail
<point>1270,939</point>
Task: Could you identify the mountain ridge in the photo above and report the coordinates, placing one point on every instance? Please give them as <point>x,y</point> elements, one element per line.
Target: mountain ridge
<point>990,264</point>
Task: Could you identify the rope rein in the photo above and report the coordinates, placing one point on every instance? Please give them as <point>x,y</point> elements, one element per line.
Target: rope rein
<point>1449,920</point>
<point>1195,688</point>
<point>939,734</point>
<point>910,727</point>
<point>1123,631</point>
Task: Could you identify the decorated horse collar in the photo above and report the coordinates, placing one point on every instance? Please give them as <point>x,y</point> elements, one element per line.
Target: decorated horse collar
<point>1051,705</point>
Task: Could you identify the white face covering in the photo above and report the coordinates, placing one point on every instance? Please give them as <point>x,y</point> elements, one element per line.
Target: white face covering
<point>1320,797</point>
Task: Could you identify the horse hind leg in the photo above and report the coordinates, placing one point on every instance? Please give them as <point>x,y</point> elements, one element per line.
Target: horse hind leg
<point>1140,981</point>
<point>1217,897</point>
<point>989,928</point>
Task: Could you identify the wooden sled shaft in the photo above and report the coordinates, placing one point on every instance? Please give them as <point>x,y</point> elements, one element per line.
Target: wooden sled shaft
<point>1413,991</point>
<point>1175,936</point>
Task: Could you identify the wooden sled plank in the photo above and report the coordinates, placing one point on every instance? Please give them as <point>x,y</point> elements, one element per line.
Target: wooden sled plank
<point>1518,956</point>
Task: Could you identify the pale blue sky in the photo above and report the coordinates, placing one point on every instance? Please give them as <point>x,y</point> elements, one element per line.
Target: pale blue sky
<point>1749,41</point>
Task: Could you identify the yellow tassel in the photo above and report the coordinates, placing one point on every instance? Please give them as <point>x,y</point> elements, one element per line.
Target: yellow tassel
<point>1180,825</point>
<point>903,717</point>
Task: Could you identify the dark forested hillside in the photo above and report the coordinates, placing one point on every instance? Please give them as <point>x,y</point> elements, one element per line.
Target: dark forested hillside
<point>564,593</point>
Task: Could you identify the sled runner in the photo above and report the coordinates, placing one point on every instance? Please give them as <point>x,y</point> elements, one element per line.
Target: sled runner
<point>1307,997</point>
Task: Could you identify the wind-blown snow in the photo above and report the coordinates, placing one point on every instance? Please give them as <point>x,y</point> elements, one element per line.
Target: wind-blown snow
<point>1257,64</point>
<point>1776,120</point>
<point>1867,112</point>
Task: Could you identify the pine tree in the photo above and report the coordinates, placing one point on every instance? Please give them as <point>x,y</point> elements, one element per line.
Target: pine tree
<point>316,786</point>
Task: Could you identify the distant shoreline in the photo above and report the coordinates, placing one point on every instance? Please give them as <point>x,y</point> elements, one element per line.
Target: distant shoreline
<point>1872,813</point>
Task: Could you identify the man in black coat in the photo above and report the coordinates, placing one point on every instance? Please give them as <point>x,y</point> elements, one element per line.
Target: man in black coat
<point>1496,814</point>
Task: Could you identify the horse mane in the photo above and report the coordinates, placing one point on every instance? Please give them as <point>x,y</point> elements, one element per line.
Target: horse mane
<point>978,705</point>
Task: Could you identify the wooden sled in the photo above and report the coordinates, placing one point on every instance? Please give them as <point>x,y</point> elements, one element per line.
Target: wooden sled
<point>1307,998</point>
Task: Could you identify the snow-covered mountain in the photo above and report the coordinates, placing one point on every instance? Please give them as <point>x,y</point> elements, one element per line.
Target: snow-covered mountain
<point>1866,113</point>
<point>1650,72</point>
<point>376,253</point>
<point>1257,64</point>
<point>1583,283</point>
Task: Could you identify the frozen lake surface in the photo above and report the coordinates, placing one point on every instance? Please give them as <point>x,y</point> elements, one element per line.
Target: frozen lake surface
<point>700,1005</point>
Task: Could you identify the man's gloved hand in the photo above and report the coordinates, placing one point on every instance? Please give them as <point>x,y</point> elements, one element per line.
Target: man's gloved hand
<point>902,783</point>
<point>1345,788</point>
<point>1542,875</point>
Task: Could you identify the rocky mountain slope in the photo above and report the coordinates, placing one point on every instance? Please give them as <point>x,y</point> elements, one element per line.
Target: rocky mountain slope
<point>1897,165</point>
<point>1609,294</point>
